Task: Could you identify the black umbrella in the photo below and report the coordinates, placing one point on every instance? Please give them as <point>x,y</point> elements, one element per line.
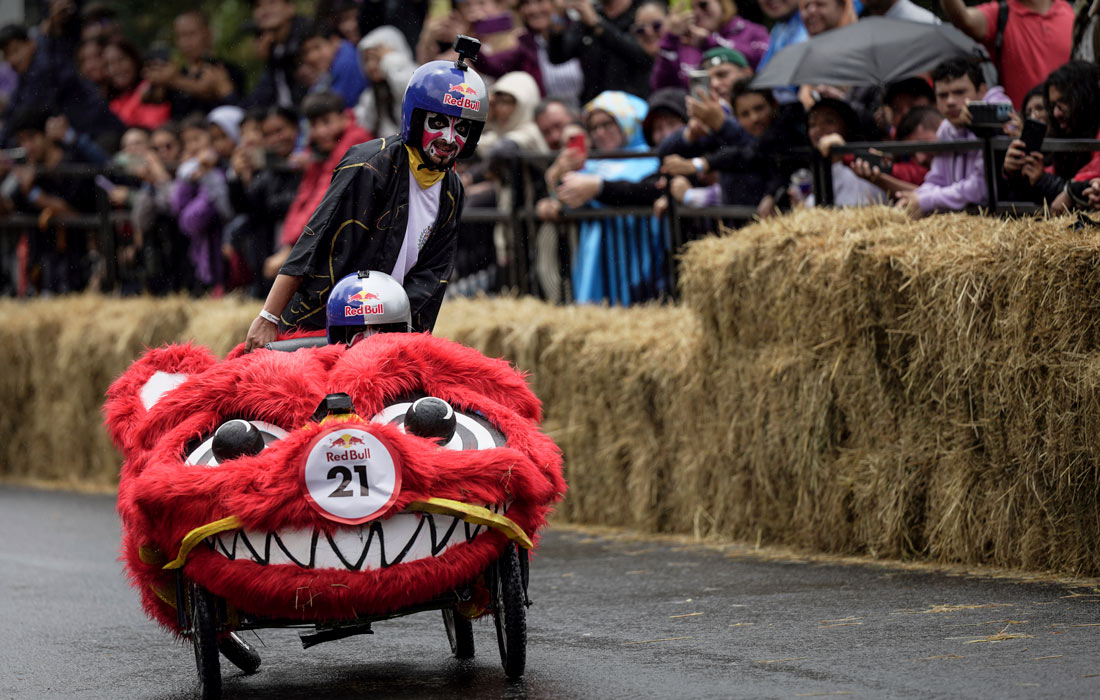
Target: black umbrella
<point>873,51</point>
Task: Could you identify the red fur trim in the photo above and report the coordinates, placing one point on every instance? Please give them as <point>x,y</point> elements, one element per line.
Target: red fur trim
<point>161,499</point>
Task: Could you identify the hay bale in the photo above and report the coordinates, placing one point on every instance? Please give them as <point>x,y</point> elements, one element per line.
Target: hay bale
<point>943,405</point>
<point>618,386</point>
<point>220,324</point>
<point>64,353</point>
<point>67,352</point>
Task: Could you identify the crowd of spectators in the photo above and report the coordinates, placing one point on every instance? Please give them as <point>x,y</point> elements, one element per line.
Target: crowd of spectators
<point>212,170</point>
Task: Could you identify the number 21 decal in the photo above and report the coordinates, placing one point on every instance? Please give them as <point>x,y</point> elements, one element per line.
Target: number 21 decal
<point>350,475</point>
<point>344,473</point>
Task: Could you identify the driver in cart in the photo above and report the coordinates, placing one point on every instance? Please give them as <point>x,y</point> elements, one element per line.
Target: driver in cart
<point>393,205</point>
<point>365,303</point>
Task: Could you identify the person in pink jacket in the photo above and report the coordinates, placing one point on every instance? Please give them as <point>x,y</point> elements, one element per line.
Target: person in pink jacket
<point>688,35</point>
<point>956,180</point>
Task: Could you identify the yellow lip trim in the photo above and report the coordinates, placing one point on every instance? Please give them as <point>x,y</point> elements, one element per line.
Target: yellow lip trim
<point>199,534</point>
<point>478,515</point>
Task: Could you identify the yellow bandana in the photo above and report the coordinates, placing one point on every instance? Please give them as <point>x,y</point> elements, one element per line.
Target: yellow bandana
<point>425,177</point>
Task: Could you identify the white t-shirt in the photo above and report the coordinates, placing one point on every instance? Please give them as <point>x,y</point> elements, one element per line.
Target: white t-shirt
<point>850,190</point>
<point>423,210</point>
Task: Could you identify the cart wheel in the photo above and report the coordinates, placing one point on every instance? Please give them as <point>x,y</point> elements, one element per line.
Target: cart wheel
<point>240,653</point>
<point>204,637</point>
<point>460,633</point>
<point>509,613</point>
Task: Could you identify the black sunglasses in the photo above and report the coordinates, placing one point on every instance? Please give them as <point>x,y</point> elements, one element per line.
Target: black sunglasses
<point>654,26</point>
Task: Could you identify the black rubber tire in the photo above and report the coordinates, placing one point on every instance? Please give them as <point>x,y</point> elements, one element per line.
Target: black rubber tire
<point>509,613</point>
<point>460,633</point>
<point>240,653</point>
<point>204,637</point>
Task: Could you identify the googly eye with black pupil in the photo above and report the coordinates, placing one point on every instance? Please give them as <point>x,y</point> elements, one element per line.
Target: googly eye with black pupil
<point>472,431</point>
<point>233,439</point>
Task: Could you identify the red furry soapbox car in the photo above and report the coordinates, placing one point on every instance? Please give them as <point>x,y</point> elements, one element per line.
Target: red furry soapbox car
<point>328,487</point>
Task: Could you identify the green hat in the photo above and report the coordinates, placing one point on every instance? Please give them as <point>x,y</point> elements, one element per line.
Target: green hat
<point>721,54</point>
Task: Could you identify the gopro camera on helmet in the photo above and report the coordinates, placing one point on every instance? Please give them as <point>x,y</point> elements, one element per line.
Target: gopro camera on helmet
<point>364,303</point>
<point>467,49</point>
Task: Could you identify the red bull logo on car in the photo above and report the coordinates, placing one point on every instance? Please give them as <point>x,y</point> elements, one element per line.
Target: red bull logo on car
<point>355,448</point>
<point>464,102</point>
<point>346,440</point>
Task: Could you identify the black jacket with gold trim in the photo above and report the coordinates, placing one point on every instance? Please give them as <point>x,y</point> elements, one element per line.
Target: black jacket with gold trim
<point>360,225</point>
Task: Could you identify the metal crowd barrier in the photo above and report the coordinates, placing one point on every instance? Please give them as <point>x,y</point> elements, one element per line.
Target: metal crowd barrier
<point>992,148</point>
<point>522,220</point>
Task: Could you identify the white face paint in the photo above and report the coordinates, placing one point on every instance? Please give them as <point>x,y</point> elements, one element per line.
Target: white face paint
<point>444,136</point>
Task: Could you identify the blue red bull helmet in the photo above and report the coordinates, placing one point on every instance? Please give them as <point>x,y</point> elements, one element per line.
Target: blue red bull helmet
<point>445,87</point>
<point>365,303</point>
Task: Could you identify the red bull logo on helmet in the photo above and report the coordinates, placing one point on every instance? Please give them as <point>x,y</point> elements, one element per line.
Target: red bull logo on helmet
<point>463,88</point>
<point>364,310</point>
<point>363,296</point>
<point>463,102</point>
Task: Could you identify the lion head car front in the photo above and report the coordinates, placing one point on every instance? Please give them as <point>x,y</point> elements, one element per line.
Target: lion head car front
<point>238,474</point>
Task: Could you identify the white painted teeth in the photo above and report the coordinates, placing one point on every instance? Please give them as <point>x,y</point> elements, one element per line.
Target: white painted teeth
<point>401,538</point>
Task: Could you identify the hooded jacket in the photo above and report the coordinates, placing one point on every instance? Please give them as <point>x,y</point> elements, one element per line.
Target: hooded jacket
<point>360,225</point>
<point>520,128</point>
<point>398,66</point>
<point>957,180</point>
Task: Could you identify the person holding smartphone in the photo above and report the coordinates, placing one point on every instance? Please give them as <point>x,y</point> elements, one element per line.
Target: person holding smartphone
<point>1072,96</point>
<point>530,53</point>
<point>202,82</point>
<point>955,180</point>
<point>600,36</point>
<point>689,34</point>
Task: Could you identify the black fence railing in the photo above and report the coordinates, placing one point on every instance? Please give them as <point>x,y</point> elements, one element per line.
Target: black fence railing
<point>992,147</point>
<point>526,232</point>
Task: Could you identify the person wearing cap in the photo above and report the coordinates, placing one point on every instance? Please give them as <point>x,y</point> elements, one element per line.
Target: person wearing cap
<point>832,122</point>
<point>667,114</point>
<point>726,66</point>
<point>753,173</point>
<point>710,122</point>
<point>393,205</point>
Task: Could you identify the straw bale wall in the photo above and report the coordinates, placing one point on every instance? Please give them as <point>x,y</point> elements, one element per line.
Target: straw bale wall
<point>935,385</point>
<point>848,382</point>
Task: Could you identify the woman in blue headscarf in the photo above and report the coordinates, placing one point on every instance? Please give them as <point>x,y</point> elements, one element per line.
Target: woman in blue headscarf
<point>620,259</point>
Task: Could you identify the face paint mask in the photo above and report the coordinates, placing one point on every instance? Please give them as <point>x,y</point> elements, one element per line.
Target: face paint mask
<point>443,137</point>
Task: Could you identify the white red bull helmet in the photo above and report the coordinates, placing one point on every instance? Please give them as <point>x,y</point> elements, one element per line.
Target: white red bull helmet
<point>365,303</point>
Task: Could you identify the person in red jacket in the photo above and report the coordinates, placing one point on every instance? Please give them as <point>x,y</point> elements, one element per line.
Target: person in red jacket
<point>128,90</point>
<point>332,131</point>
<point>920,124</point>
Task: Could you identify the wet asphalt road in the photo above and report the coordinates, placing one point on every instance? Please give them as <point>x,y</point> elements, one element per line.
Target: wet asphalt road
<point>614,617</point>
